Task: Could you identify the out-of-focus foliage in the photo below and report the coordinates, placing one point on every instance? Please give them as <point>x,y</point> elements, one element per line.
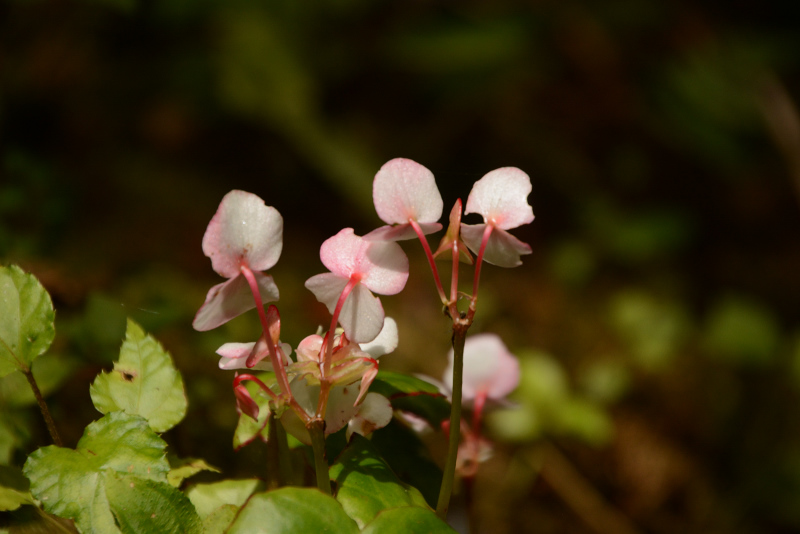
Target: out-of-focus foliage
<point>656,320</point>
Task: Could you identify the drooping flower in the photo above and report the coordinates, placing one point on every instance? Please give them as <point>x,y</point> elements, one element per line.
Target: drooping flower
<point>358,267</point>
<point>254,355</point>
<point>405,194</point>
<point>245,237</point>
<point>501,198</point>
<point>353,369</point>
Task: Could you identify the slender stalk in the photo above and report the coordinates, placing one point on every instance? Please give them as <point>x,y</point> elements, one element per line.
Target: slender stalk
<point>277,361</point>
<point>478,262</point>
<point>317,430</point>
<point>285,470</point>
<point>273,455</point>
<point>459,338</point>
<point>431,261</point>
<point>51,424</point>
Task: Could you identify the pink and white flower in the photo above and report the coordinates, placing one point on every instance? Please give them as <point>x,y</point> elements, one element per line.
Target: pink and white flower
<point>405,195</point>
<point>357,268</point>
<point>245,237</point>
<point>501,198</point>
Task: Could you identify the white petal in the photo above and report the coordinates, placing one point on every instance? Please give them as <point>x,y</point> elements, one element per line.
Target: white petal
<point>386,341</point>
<point>488,367</point>
<point>231,299</point>
<point>503,249</point>
<point>403,189</point>
<point>243,231</point>
<point>501,196</point>
<point>373,413</point>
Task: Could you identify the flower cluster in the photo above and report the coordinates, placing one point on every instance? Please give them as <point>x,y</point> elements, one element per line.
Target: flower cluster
<point>329,376</point>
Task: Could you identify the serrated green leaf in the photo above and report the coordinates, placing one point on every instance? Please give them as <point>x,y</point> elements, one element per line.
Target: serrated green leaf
<point>183,468</point>
<point>142,505</point>
<point>209,497</point>
<point>408,520</point>
<point>72,483</point>
<point>14,489</point>
<point>413,395</point>
<point>144,382</point>
<point>291,511</point>
<point>26,320</point>
<point>366,485</point>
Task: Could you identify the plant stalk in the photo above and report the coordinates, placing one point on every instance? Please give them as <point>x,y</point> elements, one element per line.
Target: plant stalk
<point>51,424</point>
<point>316,428</point>
<point>448,476</point>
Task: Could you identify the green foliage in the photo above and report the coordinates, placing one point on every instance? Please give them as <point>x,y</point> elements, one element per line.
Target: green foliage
<point>144,382</point>
<point>742,332</point>
<point>365,485</point>
<point>413,395</point>
<point>76,484</point>
<point>547,406</point>
<point>207,498</point>
<point>26,320</point>
<point>14,489</point>
<point>407,519</point>
<point>183,468</point>
<point>292,510</point>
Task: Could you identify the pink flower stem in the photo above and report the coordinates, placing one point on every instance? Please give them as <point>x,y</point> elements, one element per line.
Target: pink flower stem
<point>478,263</point>
<point>241,378</point>
<point>454,282</point>
<point>477,412</point>
<point>277,361</point>
<point>329,338</point>
<point>431,261</point>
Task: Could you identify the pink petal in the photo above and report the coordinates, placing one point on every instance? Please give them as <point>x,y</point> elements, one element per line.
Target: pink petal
<point>234,355</point>
<point>243,231</point>
<point>501,196</point>
<point>374,413</point>
<point>382,265</point>
<point>401,232</point>
<point>244,402</point>
<point>308,349</point>
<point>488,367</point>
<point>341,407</point>
<point>231,299</point>
<point>384,268</point>
<point>503,249</point>
<point>403,190</point>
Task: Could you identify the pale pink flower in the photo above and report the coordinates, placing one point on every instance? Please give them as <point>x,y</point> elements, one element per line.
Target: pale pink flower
<point>244,234</point>
<point>490,370</point>
<point>501,198</point>
<point>405,194</point>
<point>358,267</point>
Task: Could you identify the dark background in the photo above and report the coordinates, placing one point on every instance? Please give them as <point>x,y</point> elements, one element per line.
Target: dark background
<point>658,313</point>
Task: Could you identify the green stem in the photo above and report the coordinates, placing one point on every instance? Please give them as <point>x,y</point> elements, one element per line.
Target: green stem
<point>317,430</point>
<point>51,425</point>
<point>285,471</point>
<point>448,477</point>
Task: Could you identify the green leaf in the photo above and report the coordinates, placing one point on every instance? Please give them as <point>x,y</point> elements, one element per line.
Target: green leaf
<point>183,468</point>
<point>72,483</point>
<point>411,394</point>
<point>144,382</point>
<point>409,458</point>
<point>366,485</point>
<point>209,497</point>
<point>220,519</point>
<point>26,320</point>
<point>407,520</point>
<point>291,511</point>
<point>142,505</point>
<point>14,489</point>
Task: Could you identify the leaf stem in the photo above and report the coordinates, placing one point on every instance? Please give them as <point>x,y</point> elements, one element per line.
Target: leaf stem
<point>316,428</point>
<point>51,424</point>
<point>448,477</point>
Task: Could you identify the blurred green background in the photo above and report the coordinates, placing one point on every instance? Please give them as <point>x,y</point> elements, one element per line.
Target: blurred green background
<point>657,318</point>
